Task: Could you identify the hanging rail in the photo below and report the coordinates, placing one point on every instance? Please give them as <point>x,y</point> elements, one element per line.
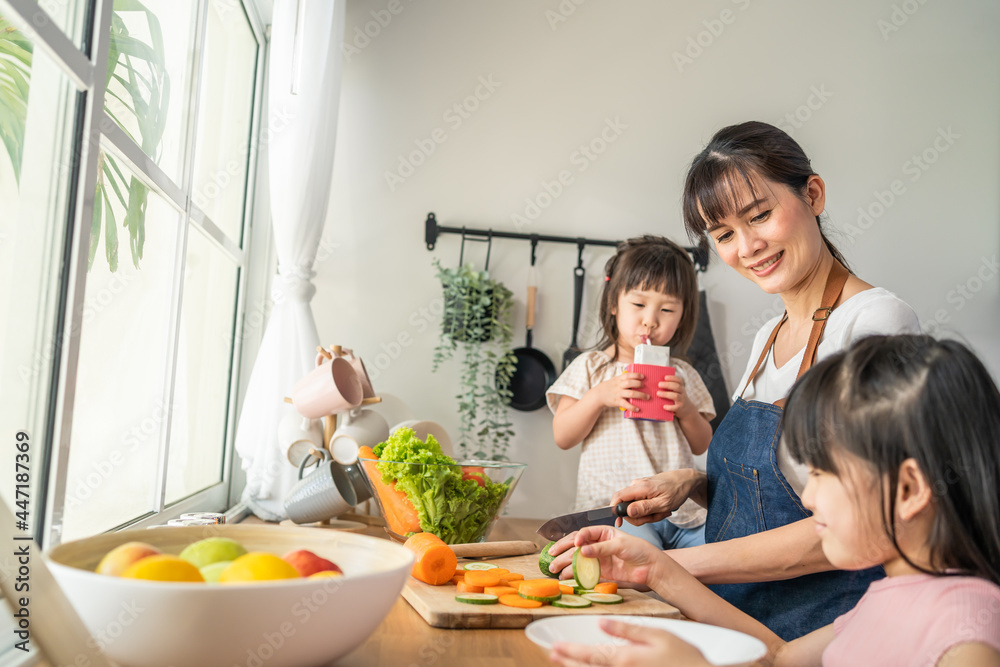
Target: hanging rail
<point>432,230</point>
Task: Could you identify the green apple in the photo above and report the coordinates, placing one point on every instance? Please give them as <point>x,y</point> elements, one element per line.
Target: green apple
<point>212,550</point>
<point>211,572</point>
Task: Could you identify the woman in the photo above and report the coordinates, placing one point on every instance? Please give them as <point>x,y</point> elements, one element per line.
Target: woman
<point>753,192</point>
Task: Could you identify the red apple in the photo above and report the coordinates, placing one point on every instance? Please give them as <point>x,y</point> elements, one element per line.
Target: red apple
<point>308,563</point>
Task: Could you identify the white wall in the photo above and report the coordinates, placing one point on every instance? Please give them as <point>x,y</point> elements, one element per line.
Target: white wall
<point>885,97</point>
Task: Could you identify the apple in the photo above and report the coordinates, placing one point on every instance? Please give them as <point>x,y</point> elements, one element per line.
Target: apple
<point>121,558</point>
<point>307,563</point>
<point>212,572</point>
<point>212,550</point>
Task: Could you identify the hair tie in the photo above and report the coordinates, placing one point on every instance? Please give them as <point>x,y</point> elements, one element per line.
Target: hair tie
<point>607,278</point>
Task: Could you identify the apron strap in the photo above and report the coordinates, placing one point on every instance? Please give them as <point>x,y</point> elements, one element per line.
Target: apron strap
<point>835,282</point>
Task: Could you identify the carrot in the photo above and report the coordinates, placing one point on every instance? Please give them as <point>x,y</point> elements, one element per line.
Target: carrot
<point>482,578</point>
<point>518,601</point>
<point>539,588</point>
<point>435,562</point>
<point>510,578</point>
<point>457,579</point>
<point>566,589</point>
<point>500,590</point>
<point>465,587</point>
<point>606,587</point>
<point>400,515</point>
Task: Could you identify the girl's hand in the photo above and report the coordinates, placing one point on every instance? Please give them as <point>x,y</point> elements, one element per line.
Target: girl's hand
<point>646,647</point>
<point>655,497</point>
<point>673,388</point>
<point>614,393</point>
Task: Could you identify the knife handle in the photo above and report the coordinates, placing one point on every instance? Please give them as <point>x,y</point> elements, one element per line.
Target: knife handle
<point>621,509</point>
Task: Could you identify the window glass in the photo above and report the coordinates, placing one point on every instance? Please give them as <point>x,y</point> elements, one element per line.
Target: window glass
<point>204,354</point>
<point>227,89</point>
<point>121,407</point>
<point>149,77</point>
<point>38,105</point>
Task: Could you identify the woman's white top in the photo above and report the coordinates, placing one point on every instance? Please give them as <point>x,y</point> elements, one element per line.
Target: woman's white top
<point>874,311</point>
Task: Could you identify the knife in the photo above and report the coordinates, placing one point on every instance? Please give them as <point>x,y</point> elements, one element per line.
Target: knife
<point>561,526</point>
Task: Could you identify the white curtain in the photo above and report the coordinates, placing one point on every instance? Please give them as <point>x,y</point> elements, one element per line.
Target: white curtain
<point>304,87</point>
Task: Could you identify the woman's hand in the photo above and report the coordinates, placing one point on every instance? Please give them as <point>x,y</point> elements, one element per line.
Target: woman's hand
<point>614,393</point>
<point>673,389</point>
<point>655,498</point>
<point>563,551</point>
<point>646,647</point>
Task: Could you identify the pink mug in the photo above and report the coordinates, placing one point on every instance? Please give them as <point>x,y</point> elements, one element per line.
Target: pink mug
<point>331,387</point>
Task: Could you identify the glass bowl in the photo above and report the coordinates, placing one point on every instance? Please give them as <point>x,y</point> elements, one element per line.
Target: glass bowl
<point>460,503</point>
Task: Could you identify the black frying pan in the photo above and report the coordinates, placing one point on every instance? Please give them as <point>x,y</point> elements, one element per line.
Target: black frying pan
<point>535,371</point>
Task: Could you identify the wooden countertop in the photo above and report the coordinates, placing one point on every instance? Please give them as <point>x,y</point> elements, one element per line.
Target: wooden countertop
<point>405,639</point>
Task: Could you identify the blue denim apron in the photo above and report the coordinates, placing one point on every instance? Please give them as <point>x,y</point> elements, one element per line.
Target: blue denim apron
<point>748,494</point>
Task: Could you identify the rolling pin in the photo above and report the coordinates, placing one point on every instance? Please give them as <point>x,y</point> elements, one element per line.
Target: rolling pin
<point>484,549</point>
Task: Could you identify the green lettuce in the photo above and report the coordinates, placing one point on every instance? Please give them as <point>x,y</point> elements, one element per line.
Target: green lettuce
<point>454,506</point>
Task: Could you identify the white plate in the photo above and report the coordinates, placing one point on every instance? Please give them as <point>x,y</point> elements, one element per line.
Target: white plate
<point>720,646</point>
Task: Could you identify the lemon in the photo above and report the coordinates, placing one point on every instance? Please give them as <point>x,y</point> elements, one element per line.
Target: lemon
<point>163,567</point>
<point>212,550</point>
<point>257,566</point>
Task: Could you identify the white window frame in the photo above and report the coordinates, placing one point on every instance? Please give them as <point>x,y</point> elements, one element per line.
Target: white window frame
<point>100,131</point>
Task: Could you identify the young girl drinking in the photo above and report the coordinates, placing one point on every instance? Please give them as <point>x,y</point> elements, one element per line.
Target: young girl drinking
<point>650,290</point>
<point>900,434</point>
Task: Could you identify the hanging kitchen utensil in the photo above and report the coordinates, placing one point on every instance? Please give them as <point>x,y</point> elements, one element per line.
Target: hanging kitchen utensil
<point>578,275</point>
<point>535,372</point>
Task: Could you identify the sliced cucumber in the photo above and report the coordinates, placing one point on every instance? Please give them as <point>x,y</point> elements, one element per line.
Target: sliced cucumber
<point>480,566</point>
<point>586,571</point>
<point>477,598</point>
<point>571,602</point>
<point>544,560</point>
<point>579,590</point>
<point>603,598</point>
<point>541,598</point>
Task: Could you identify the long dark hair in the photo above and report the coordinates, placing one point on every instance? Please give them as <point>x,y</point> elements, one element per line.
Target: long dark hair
<point>650,263</point>
<point>891,398</point>
<point>732,159</point>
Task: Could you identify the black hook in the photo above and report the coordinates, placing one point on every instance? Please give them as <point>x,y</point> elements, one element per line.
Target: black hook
<point>489,246</point>
<point>461,253</point>
<point>580,245</point>
<point>534,245</point>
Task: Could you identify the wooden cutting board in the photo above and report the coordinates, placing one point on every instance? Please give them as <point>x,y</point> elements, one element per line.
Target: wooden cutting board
<point>437,604</point>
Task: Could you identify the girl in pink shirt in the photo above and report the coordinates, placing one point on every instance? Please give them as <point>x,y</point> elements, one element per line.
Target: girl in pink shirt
<point>902,438</point>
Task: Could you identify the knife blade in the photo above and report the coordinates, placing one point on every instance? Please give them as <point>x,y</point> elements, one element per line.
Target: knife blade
<point>561,526</point>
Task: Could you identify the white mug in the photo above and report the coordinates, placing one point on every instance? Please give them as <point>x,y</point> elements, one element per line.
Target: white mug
<point>423,428</point>
<point>360,428</point>
<point>297,435</point>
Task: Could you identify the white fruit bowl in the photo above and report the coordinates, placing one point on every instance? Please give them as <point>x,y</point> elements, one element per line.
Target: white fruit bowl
<point>289,623</point>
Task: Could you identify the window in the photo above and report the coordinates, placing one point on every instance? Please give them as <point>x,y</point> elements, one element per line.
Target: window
<point>126,191</point>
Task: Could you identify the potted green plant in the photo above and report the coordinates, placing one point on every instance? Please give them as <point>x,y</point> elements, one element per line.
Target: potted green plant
<point>476,322</point>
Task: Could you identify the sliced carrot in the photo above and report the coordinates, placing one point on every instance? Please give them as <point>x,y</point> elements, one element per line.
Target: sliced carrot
<point>435,561</point>
<point>606,587</point>
<point>500,590</point>
<point>398,511</point>
<point>500,570</point>
<point>457,579</point>
<point>459,572</point>
<point>539,588</point>
<point>518,601</point>
<point>566,589</point>
<point>482,578</point>
<point>466,587</point>
<point>509,578</point>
